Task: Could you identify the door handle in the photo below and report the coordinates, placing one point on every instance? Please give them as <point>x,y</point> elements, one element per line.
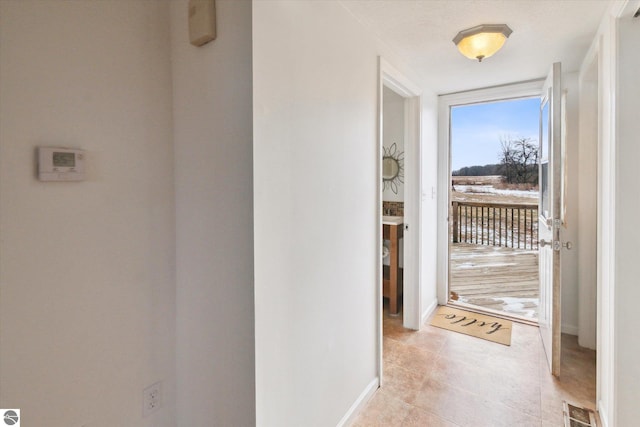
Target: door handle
<point>556,245</point>
<point>543,243</point>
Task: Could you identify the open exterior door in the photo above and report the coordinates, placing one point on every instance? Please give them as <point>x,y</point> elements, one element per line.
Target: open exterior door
<point>550,219</point>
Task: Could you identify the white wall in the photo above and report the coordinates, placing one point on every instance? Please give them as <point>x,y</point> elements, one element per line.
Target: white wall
<point>316,157</point>
<point>627,232</point>
<point>429,200</point>
<point>214,214</point>
<point>571,233</point>
<point>87,275</point>
<point>315,219</point>
<point>393,132</point>
<point>618,373</point>
<point>588,202</point>
<point>605,44</point>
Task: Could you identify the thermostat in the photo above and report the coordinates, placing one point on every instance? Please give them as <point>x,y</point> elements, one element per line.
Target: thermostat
<point>60,164</point>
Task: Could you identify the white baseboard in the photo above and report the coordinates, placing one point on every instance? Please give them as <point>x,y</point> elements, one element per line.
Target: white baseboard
<point>569,329</point>
<point>604,418</point>
<point>360,402</point>
<point>429,311</point>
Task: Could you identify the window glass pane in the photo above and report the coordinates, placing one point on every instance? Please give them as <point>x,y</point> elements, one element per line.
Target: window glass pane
<point>544,132</point>
<point>544,190</point>
<point>545,207</point>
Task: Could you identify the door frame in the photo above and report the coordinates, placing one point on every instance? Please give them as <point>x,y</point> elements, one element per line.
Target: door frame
<point>526,89</point>
<point>390,77</point>
<point>604,51</point>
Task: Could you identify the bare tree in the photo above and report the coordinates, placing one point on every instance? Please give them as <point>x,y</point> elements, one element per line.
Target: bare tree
<point>519,160</point>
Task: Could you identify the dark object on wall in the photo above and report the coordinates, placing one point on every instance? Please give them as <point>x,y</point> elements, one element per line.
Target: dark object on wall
<point>202,21</point>
<point>392,168</point>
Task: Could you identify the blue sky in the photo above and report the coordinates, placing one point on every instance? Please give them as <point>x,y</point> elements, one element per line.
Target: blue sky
<point>476,129</point>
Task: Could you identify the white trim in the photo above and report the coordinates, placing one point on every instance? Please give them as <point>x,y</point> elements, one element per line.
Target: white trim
<point>429,311</point>
<point>618,8</point>
<point>592,55</point>
<point>445,102</point>
<point>604,419</point>
<point>394,80</point>
<point>379,243</point>
<point>607,50</point>
<point>495,93</point>
<point>412,299</point>
<point>442,216</point>
<point>360,403</point>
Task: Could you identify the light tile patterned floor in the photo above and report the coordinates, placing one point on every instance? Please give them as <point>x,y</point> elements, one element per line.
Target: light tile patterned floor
<point>438,378</point>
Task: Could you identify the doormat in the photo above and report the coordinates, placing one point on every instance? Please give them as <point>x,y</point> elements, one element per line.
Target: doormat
<point>575,416</point>
<point>477,325</point>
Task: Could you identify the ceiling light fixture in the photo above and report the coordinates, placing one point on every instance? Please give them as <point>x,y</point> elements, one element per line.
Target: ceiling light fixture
<point>482,41</point>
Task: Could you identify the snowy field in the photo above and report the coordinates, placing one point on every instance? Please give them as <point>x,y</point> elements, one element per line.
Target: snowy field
<point>490,189</point>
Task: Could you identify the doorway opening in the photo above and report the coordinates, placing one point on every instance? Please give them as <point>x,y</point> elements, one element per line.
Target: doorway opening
<point>398,203</point>
<point>493,232</point>
<point>393,158</point>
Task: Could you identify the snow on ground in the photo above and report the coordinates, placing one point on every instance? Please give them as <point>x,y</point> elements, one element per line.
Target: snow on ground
<point>525,307</point>
<point>490,189</point>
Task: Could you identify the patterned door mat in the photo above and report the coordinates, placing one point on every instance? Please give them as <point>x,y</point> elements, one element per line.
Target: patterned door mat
<point>477,325</point>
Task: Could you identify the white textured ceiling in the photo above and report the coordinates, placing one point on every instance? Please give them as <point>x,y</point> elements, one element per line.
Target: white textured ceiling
<point>544,31</point>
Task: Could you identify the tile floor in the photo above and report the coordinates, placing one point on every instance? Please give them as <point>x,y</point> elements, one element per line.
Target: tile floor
<point>438,378</point>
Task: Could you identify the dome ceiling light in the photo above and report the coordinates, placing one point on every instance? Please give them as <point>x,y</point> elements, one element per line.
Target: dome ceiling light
<point>482,41</point>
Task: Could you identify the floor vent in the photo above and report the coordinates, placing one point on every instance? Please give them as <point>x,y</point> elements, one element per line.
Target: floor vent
<point>578,417</point>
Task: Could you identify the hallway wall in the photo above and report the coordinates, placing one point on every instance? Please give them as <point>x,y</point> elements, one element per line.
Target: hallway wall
<point>315,120</point>
<point>87,269</point>
<point>627,232</point>
<point>571,233</point>
<point>429,205</point>
<point>618,375</point>
<point>315,145</point>
<point>212,101</point>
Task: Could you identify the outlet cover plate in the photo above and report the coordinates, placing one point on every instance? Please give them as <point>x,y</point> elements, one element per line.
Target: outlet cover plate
<point>152,398</point>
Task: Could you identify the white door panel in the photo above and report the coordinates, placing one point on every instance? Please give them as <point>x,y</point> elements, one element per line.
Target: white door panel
<point>550,221</point>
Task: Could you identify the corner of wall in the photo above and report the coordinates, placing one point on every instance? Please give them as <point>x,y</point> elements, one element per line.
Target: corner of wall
<point>213,145</point>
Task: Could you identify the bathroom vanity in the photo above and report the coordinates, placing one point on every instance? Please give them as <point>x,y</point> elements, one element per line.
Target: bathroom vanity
<point>392,227</point>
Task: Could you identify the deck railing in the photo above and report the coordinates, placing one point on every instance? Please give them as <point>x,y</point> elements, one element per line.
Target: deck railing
<point>495,224</point>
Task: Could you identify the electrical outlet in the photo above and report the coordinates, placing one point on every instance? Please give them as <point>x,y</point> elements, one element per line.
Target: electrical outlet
<point>152,398</point>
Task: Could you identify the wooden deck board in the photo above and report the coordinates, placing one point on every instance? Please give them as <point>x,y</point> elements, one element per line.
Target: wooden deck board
<point>498,278</point>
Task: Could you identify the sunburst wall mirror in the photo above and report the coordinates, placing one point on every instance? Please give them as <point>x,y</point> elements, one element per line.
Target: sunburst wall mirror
<point>392,168</point>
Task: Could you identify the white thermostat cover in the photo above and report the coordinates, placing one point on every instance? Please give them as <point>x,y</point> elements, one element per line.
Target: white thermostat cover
<point>60,164</point>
